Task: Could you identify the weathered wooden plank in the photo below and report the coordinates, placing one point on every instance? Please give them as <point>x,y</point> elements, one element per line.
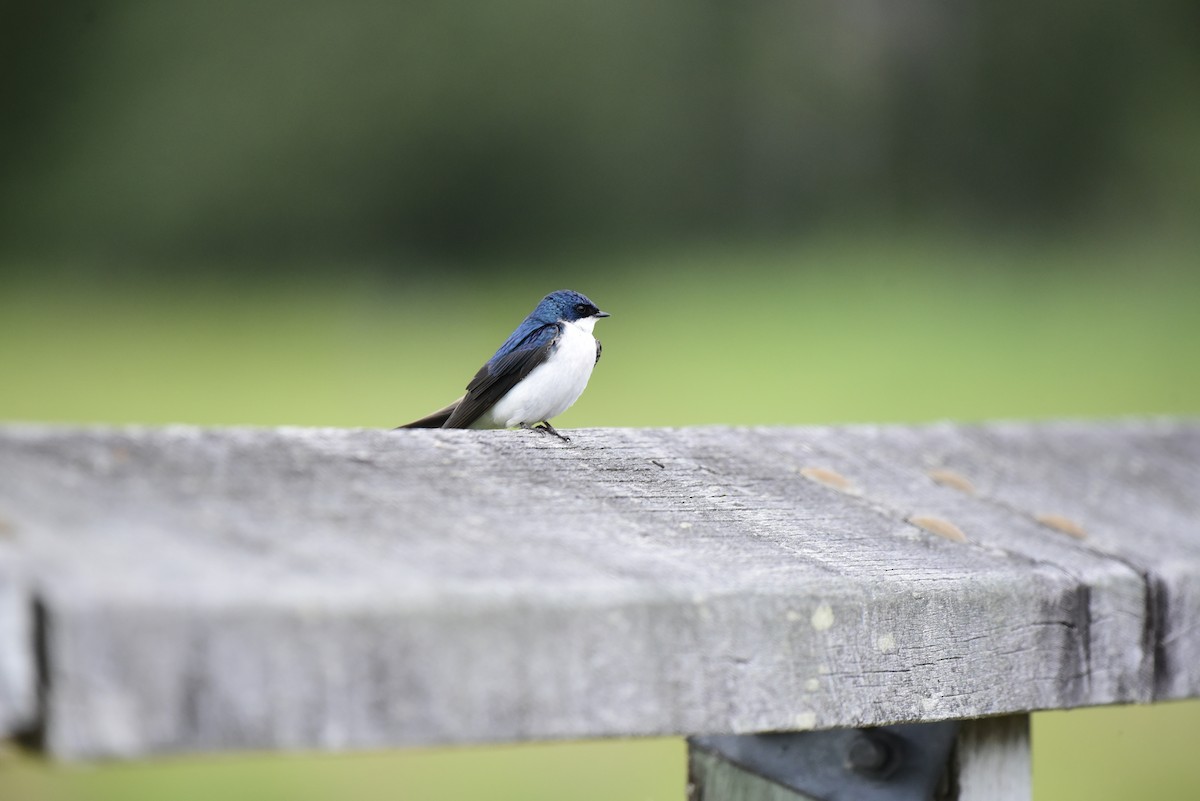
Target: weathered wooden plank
<point>334,589</point>
<point>889,469</point>
<point>1132,488</point>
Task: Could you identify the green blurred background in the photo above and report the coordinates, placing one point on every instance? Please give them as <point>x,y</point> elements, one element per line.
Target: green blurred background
<point>330,214</point>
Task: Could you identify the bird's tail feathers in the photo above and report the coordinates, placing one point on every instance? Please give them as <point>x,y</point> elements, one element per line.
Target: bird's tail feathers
<point>435,420</point>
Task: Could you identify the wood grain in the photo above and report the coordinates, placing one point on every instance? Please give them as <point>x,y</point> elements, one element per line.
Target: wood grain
<point>334,589</point>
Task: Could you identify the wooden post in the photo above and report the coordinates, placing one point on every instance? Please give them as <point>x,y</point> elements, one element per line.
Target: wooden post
<point>992,760</point>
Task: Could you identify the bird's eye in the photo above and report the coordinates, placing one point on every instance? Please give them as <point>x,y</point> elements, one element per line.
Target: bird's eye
<point>581,308</point>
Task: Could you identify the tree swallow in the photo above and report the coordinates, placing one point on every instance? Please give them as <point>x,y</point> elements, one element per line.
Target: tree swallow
<point>539,371</point>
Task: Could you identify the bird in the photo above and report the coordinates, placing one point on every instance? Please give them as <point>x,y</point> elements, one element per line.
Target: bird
<point>539,371</point>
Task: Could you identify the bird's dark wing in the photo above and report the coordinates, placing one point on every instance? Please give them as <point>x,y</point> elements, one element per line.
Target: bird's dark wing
<point>435,419</point>
<point>598,349</point>
<point>498,376</point>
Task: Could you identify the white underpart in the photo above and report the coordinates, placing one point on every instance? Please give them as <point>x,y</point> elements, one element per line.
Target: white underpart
<point>552,386</point>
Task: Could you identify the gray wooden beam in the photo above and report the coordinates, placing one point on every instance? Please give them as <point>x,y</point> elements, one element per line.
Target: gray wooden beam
<point>1132,489</point>
<point>302,588</point>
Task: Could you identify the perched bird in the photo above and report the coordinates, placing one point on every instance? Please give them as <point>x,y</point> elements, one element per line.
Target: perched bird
<point>539,371</point>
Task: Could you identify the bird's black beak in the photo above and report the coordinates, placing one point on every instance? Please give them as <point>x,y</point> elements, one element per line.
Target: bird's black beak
<point>602,314</point>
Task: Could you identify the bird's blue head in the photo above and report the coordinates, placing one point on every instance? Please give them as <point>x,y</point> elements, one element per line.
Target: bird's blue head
<point>567,305</point>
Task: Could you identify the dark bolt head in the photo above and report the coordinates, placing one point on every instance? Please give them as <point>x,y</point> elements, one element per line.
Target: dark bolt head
<point>871,753</point>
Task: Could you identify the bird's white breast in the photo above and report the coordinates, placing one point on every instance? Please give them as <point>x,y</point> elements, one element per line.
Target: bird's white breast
<point>551,387</point>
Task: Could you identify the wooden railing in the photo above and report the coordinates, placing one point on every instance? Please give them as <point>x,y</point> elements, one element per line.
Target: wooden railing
<point>181,589</point>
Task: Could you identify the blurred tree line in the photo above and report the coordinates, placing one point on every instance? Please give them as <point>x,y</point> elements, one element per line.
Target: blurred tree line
<point>274,130</point>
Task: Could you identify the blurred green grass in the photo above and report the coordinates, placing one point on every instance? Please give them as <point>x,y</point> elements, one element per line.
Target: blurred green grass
<point>826,331</point>
<point>1106,753</point>
<point>895,331</point>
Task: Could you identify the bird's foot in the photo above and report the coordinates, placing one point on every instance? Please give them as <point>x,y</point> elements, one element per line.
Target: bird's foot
<point>545,428</point>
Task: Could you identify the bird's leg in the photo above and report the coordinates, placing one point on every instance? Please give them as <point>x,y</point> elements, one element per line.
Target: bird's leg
<point>549,429</point>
